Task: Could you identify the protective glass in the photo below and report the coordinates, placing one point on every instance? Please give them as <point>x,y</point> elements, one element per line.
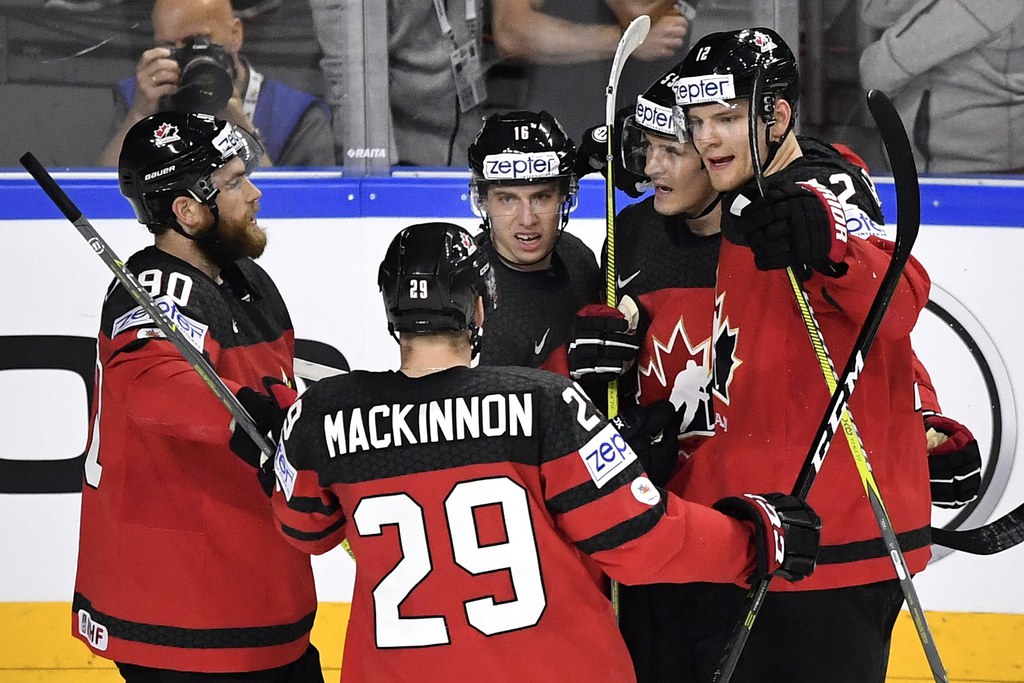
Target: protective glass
<point>636,141</point>
<point>497,201</point>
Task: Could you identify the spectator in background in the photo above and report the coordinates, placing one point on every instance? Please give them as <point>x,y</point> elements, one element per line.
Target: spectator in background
<point>431,125</point>
<point>955,70</point>
<point>293,126</point>
<point>568,47</point>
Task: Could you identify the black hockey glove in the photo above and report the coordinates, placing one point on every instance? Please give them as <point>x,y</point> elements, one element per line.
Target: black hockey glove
<point>268,412</point>
<point>601,345</point>
<point>794,224</point>
<point>954,466</point>
<point>651,431</point>
<point>787,533</point>
<point>592,156</point>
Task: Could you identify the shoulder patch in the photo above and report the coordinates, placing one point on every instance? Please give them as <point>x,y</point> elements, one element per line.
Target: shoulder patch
<point>193,330</point>
<point>606,454</point>
<point>286,474</point>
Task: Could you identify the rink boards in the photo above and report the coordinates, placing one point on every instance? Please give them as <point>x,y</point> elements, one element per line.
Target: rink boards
<point>327,235</point>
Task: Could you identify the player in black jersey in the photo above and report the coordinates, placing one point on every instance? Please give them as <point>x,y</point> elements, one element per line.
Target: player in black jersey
<point>472,496</point>
<point>524,187</point>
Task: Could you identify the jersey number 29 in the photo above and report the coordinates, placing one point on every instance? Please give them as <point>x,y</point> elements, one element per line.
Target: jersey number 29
<point>518,554</point>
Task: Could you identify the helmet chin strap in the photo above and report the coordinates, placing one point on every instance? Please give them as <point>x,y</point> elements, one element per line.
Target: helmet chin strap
<point>706,210</point>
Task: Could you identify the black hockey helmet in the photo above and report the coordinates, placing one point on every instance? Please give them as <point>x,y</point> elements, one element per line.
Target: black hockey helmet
<point>522,148</point>
<point>656,113</point>
<point>741,56</point>
<point>170,154</point>
<point>742,64</point>
<point>430,279</point>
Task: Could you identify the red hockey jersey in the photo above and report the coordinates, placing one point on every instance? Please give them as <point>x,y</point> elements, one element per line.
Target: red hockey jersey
<point>470,498</point>
<point>180,565</point>
<point>770,398</point>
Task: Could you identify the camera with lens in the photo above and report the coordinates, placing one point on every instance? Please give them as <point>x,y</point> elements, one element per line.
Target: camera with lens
<point>207,77</point>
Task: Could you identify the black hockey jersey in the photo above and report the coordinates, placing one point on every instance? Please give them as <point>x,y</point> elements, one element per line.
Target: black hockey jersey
<point>536,309</point>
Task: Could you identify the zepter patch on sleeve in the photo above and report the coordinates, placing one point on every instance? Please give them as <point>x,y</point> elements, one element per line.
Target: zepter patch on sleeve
<point>606,454</point>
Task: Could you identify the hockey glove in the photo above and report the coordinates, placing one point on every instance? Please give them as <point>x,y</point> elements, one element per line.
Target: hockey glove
<point>268,412</point>
<point>602,344</point>
<point>787,533</point>
<point>651,432</point>
<point>954,464</point>
<point>592,156</point>
<point>801,224</point>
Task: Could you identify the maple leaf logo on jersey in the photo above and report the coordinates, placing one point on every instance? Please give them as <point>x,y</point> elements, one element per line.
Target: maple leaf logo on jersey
<point>726,362</point>
<point>691,384</point>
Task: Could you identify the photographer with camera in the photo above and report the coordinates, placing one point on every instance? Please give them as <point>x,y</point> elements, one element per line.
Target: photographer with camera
<point>196,67</point>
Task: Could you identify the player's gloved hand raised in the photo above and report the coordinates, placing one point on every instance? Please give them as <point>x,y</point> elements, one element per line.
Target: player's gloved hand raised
<point>603,344</point>
<point>787,533</point>
<point>794,224</point>
<point>592,156</point>
<point>651,432</point>
<point>954,462</point>
<point>267,411</point>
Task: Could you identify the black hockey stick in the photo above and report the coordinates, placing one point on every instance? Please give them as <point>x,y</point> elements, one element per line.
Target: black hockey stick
<point>908,222</point>
<point>994,537</point>
<point>849,428</point>
<point>142,297</point>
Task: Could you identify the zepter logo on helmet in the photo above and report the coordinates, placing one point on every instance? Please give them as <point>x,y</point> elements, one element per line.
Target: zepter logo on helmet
<point>656,114</point>
<point>170,154</point>
<point>523,148</point>
<point>431,277</point>
<point>724,66</point>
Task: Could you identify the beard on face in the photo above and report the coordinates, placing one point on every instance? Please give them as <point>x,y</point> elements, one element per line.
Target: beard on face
<point>233,239</point>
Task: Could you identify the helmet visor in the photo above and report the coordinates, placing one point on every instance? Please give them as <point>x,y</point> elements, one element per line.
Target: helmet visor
<point>498,200</point>
<point>636,140</point>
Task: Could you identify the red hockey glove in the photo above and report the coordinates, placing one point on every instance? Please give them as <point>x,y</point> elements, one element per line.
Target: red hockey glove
<point>267,411</point>
<point>787,533</point>
<point>592,156</point>
<point>601,345</point>
<point>796,225</point>
<point>954,465</point>
<point>651,431</point>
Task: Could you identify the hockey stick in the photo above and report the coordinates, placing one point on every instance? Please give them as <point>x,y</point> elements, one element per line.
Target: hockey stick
<point>142,297</point>
<point>994,537</point>
<point>631,39</point>
<point>856,444</point>
<point>908,222</point>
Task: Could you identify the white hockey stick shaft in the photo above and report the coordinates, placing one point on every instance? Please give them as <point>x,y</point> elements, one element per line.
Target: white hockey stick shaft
<point>631,39</point>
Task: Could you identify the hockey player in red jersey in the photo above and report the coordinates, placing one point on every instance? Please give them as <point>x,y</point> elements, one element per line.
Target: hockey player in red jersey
<point>182,575</point>
<point>769,393</point>
<point>524,186</point>
<point>472,495</point>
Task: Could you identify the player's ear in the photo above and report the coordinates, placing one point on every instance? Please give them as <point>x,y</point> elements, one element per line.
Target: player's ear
<point>192,215</point>
<point>783,115</point>
<point>479,315</point>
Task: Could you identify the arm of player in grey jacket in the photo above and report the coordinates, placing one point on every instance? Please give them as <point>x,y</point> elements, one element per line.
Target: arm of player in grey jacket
<point>931,32</point>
